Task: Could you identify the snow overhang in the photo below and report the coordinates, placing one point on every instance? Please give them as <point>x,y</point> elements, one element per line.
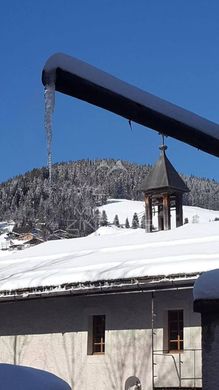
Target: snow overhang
<point>206,292</point>
<point>104,287</point>
<point>83,81</point>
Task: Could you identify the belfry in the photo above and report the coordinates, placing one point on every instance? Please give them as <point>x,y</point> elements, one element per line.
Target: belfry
<point>163,190</point>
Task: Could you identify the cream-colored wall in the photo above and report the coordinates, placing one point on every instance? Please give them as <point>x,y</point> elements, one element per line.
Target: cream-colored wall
<point>52,334</point>
<point>168,365</point>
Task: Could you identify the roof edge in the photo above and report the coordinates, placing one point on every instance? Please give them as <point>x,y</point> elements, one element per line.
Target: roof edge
<point>117,286</point>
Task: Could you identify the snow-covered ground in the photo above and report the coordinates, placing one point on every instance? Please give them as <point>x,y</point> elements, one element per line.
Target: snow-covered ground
<point>114,253</point>
<point>5,227</point>
<point>126,208</point>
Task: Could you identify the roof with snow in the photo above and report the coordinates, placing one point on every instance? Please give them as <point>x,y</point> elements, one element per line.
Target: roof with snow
<point>112,258</point>
<point>83,81</point>
<point>207,287</point>
<point>163,177</point>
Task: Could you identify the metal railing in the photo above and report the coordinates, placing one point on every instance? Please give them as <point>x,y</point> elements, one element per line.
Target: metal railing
<point>183,367</point>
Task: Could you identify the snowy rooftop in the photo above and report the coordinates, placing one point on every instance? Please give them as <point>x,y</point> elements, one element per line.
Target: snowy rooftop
<point>112,254</point>
<point>207,286</point>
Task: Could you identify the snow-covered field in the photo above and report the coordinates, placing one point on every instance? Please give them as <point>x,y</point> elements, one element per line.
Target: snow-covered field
<point>126,208</point>
<point>114,253</point>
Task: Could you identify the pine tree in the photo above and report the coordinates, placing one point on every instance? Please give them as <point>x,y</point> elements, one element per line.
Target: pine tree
<point>103,219</point>
<point>97,218</point>
<point>127,225</point>
<point>116,221</point>
<point>135,221</point>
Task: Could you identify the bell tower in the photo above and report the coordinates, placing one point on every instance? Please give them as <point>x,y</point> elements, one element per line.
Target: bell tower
<point>163,190</point>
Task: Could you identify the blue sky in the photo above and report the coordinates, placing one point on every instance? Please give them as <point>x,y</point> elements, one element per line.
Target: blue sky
<point>169,48</point>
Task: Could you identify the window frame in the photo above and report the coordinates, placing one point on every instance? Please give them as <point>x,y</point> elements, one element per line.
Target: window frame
<point>176,325</point>
<point>96,334</point>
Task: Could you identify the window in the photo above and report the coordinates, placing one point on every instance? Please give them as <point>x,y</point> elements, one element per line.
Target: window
<point>97,336</point>
<point>175,330</point>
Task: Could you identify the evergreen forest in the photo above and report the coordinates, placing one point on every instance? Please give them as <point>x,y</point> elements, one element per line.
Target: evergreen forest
<point>69,203</point>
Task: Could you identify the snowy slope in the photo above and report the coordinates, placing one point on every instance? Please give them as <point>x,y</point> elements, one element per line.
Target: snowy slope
<point>123,208</point>
<point>126,208</point>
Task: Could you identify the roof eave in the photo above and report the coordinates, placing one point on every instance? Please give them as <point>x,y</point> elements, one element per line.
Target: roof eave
<point>164,190</point>
<point>118,286</point>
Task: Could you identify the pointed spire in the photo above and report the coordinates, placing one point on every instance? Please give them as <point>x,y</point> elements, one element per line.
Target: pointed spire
<point>163,189</point>
<point>163,176</point>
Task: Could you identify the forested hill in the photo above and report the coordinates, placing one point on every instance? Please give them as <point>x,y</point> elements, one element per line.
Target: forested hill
<point>77,187</point>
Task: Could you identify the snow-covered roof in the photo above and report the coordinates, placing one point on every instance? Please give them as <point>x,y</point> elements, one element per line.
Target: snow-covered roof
<point>111,254</point>
<point>207,286</point>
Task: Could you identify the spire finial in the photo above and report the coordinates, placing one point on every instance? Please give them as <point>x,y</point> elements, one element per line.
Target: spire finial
<point>163,147</point>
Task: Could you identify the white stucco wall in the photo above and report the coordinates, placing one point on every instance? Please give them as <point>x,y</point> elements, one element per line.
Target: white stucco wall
<point>169,365</point>
<point>52,334</point>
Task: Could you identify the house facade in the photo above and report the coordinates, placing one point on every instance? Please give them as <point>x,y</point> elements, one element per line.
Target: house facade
<point>108,340</point>
<point>113,310</point>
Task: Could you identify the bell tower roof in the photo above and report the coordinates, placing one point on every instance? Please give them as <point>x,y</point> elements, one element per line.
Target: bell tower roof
<point>163,177</point>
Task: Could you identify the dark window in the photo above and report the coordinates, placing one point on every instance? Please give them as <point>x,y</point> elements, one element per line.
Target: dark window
<point>175,330</point>
<point>98,342</point>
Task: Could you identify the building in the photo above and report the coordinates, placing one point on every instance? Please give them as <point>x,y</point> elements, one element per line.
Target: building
<point>206,301</point>
<point>113,310</point>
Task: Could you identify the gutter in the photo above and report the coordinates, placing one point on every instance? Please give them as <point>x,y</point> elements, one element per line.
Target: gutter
<point>110,287</point>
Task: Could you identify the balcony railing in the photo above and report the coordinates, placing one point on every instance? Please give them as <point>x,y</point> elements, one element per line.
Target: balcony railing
<point>177,370</point>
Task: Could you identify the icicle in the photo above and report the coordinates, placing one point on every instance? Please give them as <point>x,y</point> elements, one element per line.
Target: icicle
<point>49,95</point>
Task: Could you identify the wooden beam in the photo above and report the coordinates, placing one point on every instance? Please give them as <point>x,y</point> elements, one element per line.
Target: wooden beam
<point>83,81</point>
<point>160,217</point>
<point>166,211</point>
<point>148,213</point>
<point>179,210</point>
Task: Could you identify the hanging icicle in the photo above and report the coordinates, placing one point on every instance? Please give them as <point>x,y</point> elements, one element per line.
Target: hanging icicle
<point>49,94</point>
